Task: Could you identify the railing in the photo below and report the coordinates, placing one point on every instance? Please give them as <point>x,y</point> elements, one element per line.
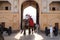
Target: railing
<point>51,12</point>
<point>5,10</point>
<point>54,11</point>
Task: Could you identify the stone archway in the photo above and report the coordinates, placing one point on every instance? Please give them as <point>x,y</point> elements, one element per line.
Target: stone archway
<point>33,4</point>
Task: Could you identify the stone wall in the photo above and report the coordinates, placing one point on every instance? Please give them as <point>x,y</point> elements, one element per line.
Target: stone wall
<point>10,19</point>
<point>49,19</point>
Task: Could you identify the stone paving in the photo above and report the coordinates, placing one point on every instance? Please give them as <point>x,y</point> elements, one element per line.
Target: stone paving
<point>35,36</point>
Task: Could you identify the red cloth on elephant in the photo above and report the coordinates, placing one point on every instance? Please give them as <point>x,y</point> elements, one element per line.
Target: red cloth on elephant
<point>31,23</point>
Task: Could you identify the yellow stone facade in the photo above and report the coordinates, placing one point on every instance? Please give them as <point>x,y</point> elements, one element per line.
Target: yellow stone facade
<point>10,19</point>
<point>50,19</point>
<point>13,17</point>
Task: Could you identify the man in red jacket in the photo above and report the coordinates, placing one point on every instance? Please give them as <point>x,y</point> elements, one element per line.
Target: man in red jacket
<point>31,25</point>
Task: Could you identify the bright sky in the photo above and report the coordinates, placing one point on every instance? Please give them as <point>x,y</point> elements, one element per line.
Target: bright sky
<point>31,11</point>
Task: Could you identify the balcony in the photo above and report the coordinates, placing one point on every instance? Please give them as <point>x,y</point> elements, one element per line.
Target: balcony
<point>5,10</point>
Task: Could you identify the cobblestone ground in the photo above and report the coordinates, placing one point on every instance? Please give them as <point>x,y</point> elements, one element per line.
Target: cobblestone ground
<point>35,36</point>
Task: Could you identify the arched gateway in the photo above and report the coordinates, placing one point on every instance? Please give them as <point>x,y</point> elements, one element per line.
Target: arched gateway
<point>28,4</point>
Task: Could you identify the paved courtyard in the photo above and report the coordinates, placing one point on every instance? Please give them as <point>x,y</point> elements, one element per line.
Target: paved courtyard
<point>35,36</point>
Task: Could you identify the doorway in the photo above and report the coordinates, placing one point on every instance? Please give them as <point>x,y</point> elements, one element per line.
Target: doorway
<point>31,8</point>
<point>6,8</point>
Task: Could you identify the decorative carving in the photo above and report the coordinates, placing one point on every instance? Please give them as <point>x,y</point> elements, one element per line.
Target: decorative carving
<point>30,0</point>
<point>58,17</point>
<point>15,5</point>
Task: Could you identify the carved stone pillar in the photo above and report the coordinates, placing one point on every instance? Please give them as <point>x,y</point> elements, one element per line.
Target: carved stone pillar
<point>15,7</point>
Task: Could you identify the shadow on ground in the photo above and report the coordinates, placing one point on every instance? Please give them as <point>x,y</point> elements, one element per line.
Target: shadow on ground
<point>27,37</point>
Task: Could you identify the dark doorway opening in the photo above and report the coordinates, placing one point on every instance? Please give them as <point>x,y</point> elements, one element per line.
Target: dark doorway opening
<point>3,24</point>
<point>57,26</point>
<point>53,9</point>
<point>6,8</point>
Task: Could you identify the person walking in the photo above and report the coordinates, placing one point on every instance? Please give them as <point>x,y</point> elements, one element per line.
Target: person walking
<point>37,27</point>
<point>55,30</point>
<point>46,31</point>
<point>51,31</point>
<point>27,21</point>
<point>23,27</point>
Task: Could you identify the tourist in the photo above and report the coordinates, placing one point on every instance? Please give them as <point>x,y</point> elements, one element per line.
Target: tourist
<point>51,31</point>
<point>23,27</point>
<point>47,31</point>
<point>37,27</point>
<point>27,21</point>
<point>55,31</point>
